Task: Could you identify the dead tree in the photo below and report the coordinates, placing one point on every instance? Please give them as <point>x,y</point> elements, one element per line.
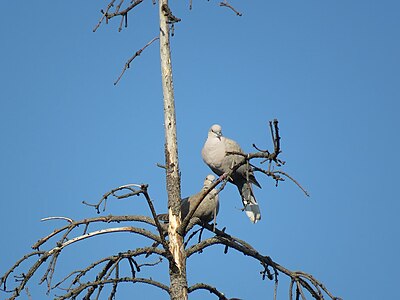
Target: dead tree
<point>111,270</point>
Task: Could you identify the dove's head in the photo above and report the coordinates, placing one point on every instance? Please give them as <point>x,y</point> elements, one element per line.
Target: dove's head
<point>215,131</point>
<point>208,181</point>
<point>209,178</point>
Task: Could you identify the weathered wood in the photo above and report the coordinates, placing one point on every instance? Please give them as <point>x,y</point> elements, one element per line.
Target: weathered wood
<point>178,282</point>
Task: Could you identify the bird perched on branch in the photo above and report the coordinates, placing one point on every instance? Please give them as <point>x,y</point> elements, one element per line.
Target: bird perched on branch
<point>205,212</point>
<point>215,155</point>
<point>207,209</point>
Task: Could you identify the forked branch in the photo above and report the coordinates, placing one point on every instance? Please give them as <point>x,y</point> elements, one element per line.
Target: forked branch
<point>107,14</point>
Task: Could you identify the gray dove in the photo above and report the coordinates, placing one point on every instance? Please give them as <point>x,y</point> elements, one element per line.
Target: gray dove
<point>214,155</point>
<point>207,209</point>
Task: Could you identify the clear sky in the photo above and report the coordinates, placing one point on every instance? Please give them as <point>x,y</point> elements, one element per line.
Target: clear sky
<point>329,71</point>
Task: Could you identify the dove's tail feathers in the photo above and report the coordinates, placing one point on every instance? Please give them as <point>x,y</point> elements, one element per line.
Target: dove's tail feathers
<point>253,212</point>
<point>163,218</point>
<point>246,192</point>
<point>249,202</point>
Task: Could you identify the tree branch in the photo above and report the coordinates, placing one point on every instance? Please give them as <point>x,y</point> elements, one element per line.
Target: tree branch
<point>297,276</point>
<point>54,251</point>
<point>226,4</point>
<point>129,187</point>
<point>211,289</point>
<point>4,278</point>
<point>75,292</point>
<point>106,219</point>
<point>106,15</point>
<point>123,255</point>
<point>157,221</point>
<point>137,53</point>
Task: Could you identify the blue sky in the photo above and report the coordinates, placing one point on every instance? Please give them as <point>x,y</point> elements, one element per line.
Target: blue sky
<point>327,70</point>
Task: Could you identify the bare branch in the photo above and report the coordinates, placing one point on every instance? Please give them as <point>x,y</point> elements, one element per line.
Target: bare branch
<point>106,15</point>
<point>300,289</point>
<point>75,292</point>
<point>4,278</point>
<point>106,219</point>
<point>226,4</point>
<point>137,53</point>
<point>54,251</point>
<point>294,180</point>
<point>118,7</point>
<point>192,235</point>
<point>211,289</point>
<point>143,190</point>
<point>123,255</point>
<point>296,276</point>
<point>129,187</point>
<point>267,156</point>
<point>125,11</point>
<point>156,220</point>
<point>128,229</point>
<point>57,218</point>
<point>150,264</point>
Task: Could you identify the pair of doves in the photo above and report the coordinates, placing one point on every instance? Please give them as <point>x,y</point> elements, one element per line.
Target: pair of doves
<point>215,155</point>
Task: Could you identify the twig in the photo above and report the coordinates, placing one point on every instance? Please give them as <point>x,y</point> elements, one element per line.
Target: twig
<point>211,289</point>
<point>128,229</point>
<point>278,178</point>
<point>300,290</point>
<point>112,192</point>
<point>291,289</point>
<point>161,166</point>
<point>125,11</point>
<point>28,293</point>
<point>48,275</point>
<point>137,53</point>
<point>192,235</point>
<point>104,14</point>
<point>226,4</point>
<point>157,221</point>
<point>57,218</point>
<point>118,7</point>
<point>294,180</point>
<point>271,157</point>
<point>150,264</point>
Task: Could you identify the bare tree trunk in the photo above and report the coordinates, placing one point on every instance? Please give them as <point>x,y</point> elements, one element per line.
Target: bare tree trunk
<point>177,269</point>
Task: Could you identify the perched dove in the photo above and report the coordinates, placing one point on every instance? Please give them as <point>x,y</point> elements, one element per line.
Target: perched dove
<point>205,212</point>
<point>214,155</point>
